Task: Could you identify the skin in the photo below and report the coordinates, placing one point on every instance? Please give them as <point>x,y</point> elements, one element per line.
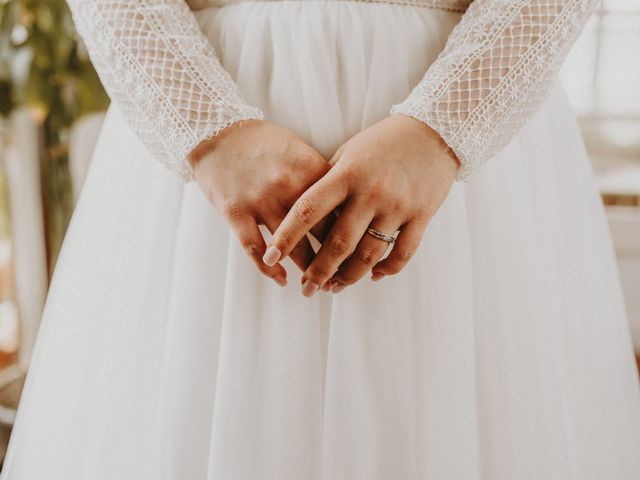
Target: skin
<point>391,176</point>
<point>252,172</point>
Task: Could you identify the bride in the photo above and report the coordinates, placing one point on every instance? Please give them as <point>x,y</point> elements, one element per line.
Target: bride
<point>333,240</point>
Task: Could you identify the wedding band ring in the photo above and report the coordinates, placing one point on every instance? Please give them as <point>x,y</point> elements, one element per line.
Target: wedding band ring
<point>381,236</point>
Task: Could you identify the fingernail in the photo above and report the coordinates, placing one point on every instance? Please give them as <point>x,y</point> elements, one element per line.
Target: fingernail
<point>338,287</point>
<point>280,280</point>
<point>377,276</point>
<point>309,287</point>
<point>271,256</point>
<point>327,286</point>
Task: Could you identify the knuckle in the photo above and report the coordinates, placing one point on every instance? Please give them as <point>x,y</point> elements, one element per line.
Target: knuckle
<point>253,196</point>
<point>304,210</point>
<point>306,158</point>
<point>397,204</point>
<point>378,191</point>
<point>318,273</point>
<point>233,209</point>
<point>344,174</point>
<point>285,240</point>
<point>423,214</point>
<point>347,278</point>
<point>252,249</point>
<point>402,257</point>
<point>283,182</point>
<point>350,175</point>
<point>338,244</point>
<point>405,254</point>
<point>367,256</point>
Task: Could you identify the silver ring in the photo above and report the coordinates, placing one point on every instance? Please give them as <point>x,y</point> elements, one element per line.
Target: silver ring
<point>381,236</point>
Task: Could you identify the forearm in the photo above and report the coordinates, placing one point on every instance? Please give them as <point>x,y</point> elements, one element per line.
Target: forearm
<point>496,69</point>
<point>162,72</point>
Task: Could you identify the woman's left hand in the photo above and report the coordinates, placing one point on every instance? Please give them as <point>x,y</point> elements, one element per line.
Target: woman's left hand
<point>391,176</point>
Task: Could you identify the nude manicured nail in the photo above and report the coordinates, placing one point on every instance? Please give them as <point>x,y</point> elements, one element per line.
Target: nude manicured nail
<point>280,280</point>
<point>271,256</point>
<point>338,287</point>
<point>377,276</point>
<point>309,287</point>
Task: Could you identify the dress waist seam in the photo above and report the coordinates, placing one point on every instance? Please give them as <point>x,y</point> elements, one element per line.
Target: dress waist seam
<point>449,5</point>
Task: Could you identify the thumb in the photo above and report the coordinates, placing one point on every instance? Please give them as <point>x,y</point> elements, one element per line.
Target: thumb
<point>336,156</point>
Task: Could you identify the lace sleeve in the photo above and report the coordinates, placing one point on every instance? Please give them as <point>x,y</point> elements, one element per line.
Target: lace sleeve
<point>498,65</point>
<point>162,72</point>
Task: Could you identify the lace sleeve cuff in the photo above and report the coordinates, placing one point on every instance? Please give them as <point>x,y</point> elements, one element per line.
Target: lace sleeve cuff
<point>160,69</point>
<point>497,67</point>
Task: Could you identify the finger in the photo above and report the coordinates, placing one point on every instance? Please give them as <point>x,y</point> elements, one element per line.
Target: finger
<point>322,228</point>
<point>303,253</point>
<point>404,248</point>
<point>338,245</point>
<point>368,252</point>
<point>313,205</point>
<point>320,232</point>
<point>337,154</point>
<point>323,234</point>
<point>250,237</point>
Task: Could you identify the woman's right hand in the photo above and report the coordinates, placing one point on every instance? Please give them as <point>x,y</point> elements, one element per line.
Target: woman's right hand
<point>252,172</point>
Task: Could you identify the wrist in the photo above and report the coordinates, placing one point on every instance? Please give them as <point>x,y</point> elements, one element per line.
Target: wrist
<point>209,145</point>
<point>444,146</point>
<point>433,136</point>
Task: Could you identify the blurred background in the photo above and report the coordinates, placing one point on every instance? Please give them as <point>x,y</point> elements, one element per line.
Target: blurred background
<point>52,107</point>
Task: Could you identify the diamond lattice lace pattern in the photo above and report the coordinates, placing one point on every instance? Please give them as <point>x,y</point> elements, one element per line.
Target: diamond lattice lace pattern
<point>162,72</point>
<point>498,65</point>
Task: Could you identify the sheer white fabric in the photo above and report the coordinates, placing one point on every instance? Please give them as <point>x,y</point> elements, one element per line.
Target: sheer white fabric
<point>497,67</point>
<point>163,73</point>
<point>450,5</point>
<point>501,351</point>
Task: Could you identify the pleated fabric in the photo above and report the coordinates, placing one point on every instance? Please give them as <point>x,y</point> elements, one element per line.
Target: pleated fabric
<point>500,352</point>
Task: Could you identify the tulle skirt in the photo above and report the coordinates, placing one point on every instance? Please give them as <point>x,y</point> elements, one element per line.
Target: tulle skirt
<point>500,352</point>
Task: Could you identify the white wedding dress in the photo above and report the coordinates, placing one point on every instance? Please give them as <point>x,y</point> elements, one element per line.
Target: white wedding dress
<point>500,352</point>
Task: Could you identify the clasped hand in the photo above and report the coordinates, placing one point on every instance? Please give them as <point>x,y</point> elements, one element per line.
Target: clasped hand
<point>391,176</point>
